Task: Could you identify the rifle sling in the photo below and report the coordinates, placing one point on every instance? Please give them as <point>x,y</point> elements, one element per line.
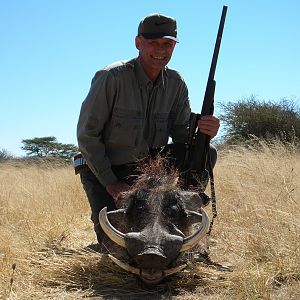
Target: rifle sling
<point>213,194</point>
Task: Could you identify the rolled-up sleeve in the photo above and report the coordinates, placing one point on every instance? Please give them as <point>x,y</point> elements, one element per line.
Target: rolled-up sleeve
<point>95,112</point>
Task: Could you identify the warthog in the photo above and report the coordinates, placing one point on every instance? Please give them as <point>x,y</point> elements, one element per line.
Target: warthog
<point>159,221</point>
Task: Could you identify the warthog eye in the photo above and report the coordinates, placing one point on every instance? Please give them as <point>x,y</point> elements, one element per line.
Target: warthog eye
<point>173,211</point>
<point>137,201</point>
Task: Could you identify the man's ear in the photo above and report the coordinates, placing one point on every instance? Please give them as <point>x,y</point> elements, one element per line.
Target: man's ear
<point>138,42</point>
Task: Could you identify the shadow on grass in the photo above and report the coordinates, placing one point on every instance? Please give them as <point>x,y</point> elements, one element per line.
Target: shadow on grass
<point>91,271</point>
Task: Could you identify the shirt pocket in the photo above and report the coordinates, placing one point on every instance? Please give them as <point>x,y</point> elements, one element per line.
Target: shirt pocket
<point>126,126</point>
<point>162,132</point>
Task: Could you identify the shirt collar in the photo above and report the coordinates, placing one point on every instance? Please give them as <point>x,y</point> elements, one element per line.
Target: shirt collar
<point>143,79</point>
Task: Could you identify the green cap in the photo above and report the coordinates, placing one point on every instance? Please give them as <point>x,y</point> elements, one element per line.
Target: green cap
<point>157,26</point>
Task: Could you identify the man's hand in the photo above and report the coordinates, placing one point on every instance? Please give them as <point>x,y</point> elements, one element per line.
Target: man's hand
<point>209,125</point>
<point>115,189</point>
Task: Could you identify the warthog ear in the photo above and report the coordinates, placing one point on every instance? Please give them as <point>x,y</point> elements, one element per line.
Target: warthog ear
<point>192,201</point>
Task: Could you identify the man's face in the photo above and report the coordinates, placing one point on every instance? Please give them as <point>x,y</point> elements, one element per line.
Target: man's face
<point>154,53</point>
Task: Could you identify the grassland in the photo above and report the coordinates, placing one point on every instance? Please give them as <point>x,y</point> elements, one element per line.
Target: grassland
<point>45,230</point>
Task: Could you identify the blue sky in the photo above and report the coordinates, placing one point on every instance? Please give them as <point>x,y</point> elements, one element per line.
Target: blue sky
<point>50,51</point>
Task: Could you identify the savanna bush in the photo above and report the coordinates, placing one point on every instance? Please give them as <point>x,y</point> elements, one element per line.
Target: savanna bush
<point>268,120</point>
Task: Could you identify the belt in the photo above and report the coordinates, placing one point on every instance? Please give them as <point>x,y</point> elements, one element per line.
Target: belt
<point>80,164</point>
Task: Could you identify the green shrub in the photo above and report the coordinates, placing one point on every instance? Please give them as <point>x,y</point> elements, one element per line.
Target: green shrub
<point>265,120</point>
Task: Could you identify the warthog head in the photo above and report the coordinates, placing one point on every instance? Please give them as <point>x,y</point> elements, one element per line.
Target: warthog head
<point>158,222</point>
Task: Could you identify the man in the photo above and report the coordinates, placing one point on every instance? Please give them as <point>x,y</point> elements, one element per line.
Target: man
<point>131,110</point>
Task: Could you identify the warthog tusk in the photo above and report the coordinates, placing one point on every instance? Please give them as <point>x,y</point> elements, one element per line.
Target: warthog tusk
<point>137,271</point>
<point>114,234</point>
<point>190,241</point>
<point>174,270</point>
<point>124,266</point>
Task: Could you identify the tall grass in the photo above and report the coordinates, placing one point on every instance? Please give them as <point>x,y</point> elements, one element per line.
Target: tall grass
<point>45,228</point>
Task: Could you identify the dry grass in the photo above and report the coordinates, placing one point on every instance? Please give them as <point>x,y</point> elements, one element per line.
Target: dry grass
<point>45,228</point>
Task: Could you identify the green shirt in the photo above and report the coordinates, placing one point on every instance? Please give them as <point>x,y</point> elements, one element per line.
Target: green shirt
<point>125,114</point>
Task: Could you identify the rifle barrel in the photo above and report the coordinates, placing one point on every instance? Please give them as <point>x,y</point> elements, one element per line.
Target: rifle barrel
<point>217,44</point>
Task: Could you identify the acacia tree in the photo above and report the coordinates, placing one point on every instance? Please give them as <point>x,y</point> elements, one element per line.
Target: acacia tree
<point>48,147</point>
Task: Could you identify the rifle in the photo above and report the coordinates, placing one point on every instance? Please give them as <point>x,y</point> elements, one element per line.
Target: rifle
<point>197,146</point>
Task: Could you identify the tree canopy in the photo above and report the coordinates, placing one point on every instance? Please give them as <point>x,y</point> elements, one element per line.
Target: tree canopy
<point>263,119</point>
<point>48,147</point>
